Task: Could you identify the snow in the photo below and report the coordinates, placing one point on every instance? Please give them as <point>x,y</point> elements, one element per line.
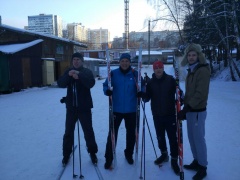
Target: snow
<point>32,126</point>
<point>13,48</point>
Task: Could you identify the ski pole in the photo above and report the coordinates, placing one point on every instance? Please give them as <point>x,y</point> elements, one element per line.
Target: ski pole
<point>79,150</point>
<point>144,114</point>
<point>143,146</point>
<point>74,175</point>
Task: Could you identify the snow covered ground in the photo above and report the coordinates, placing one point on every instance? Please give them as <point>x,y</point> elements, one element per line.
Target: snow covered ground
<point>32,127</point>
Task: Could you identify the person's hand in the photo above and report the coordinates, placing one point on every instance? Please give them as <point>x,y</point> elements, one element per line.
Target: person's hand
<point>109,92</point>
<point>73,72</point>
<point>140,94</point>
<point>181,115</point>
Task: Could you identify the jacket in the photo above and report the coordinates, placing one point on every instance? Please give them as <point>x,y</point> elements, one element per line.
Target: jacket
<point>124,86</point>
<point>78,90</point>
<point>162,92</point>
<point>197,87</point>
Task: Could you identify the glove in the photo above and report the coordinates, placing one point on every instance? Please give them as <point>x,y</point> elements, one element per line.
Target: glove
<point>63,100</point>
<point>181,115</point>
<point>140,94</point>
<point>109,92</point>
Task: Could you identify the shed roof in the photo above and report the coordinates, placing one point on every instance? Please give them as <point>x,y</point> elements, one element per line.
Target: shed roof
<point>41,35</point>
<point>13,48</point>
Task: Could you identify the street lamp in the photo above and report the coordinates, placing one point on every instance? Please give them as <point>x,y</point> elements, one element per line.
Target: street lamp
<point>149,37</point>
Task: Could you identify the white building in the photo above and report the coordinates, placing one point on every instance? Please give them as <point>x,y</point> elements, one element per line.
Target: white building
<point>77,32</point>
<point>97,37</point>
<point>46,24</point>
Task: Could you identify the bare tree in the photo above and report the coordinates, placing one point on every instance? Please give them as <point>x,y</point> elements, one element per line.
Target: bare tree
<point>175,12</point>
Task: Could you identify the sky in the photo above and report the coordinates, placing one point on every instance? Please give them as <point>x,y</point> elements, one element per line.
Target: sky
<point>32,126</point>
<point>93,14</point>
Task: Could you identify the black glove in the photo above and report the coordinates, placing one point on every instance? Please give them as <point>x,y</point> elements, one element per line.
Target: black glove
<point>181,115</point>
<point>140,94</point>
<point>109,92</point>
<point>63,100</point>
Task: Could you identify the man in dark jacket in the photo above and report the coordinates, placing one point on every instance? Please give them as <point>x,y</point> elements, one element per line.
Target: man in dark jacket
<point>161,91</point>
<point>78,80</point>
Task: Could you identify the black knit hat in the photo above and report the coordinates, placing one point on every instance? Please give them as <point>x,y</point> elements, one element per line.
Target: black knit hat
<point>78,55</point>
<point>125,56</point>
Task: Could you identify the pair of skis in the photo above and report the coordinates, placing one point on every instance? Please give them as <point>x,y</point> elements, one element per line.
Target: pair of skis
<point>179,123</point>
<point>111,117</point>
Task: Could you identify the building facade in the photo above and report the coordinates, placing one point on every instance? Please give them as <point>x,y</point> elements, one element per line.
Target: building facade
<point>77,32</point>
<point>46,24</point>
<point>97,37</point>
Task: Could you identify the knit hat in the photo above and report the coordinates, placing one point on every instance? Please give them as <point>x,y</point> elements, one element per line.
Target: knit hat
<point>198,49</point>
<point>158,64</point>
<point>125,56</point>
<point>78,55</point>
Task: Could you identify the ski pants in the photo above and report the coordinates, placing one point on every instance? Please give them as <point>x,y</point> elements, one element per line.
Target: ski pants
<point>130,125</point>
<point>85,118</point>
<point>196,135</point>
<point>166,124</point>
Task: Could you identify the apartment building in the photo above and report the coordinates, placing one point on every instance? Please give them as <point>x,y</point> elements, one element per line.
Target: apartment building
<point>97,37</point>
<point>46,24</point>
<point>77,32</point>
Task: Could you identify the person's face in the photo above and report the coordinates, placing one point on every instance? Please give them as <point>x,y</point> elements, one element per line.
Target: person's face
<point>77,62</point>
<point>124,64</point>
<point>158,72</point>
<point>192,57</point>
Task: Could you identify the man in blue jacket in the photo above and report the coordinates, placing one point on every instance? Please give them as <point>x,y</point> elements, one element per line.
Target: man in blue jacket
<point>124,97</point>
<point>78,80</point>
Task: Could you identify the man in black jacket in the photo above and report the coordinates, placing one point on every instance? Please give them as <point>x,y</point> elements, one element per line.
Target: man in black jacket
<point>78,80</point>
<point>161,91</point>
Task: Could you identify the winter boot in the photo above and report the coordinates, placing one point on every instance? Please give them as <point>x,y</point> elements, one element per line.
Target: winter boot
<point>65,160</point>
<point>94,158</point>
<point>108,164</point>
<point>175,167</point>
<point>128,157</point>
<point>193,166</point>
<point>201,173</point>
<point>163,158</point>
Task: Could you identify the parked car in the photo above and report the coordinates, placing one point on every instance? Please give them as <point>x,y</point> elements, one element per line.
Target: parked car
<point>170,60</point>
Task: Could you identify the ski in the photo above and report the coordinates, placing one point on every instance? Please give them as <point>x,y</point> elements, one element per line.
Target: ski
<point>64,167</point>
<point>99,174</point>
<point>179,123</point>
<point>95,165</point>
<point>139,85</point>
<point>111,117</point>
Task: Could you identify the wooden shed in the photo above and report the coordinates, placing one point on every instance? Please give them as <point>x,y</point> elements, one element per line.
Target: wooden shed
<point>29,64</point>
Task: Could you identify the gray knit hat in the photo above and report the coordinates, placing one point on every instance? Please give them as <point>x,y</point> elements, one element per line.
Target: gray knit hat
<point>198,49</point>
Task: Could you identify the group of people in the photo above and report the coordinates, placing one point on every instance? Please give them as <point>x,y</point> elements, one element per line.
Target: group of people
<point>160,90</point>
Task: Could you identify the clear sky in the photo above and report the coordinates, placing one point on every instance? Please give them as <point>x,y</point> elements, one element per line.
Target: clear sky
<point>93,14</point>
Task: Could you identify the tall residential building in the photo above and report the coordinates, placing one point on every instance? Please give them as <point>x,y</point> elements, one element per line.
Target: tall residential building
<point>46,24</point>
<point>97,37</point>
<point>77,32</point>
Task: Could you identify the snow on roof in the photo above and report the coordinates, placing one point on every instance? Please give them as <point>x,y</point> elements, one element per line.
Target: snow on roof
<point>13,48</point>
<point>43,35</point>
<point>92,59</point>
<point>155,52</point>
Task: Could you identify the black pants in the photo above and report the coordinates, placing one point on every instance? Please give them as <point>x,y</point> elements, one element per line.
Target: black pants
<point>167,124</point>
<point>130,125</point>
<point>85,118</point>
